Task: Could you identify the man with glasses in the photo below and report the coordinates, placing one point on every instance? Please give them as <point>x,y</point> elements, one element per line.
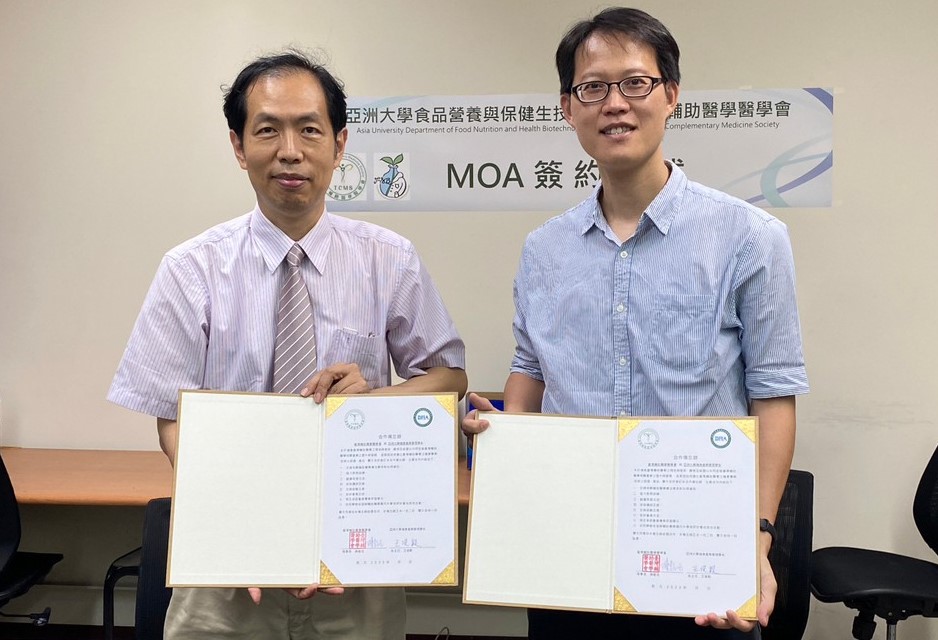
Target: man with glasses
<point>656,296</point>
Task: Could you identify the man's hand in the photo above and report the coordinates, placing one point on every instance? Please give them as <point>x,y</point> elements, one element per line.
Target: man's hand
<point>766,604</point>
<point>300,594</point>
<point>339,378</point>
<point>471,424</point>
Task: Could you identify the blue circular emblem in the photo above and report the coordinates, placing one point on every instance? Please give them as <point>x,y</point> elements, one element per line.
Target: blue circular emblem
<point>720,438</point>
<point>423,417</point>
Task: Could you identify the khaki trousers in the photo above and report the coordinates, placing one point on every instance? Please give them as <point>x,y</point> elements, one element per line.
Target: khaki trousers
<point>366,614</point>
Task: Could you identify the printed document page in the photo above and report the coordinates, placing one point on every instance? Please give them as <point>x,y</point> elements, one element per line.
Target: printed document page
<point>686,532</point>
<point>389,490</point>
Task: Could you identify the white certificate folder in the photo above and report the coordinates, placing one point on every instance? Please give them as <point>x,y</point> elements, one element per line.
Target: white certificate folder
<point>638,515</point>
<point>275,490</point>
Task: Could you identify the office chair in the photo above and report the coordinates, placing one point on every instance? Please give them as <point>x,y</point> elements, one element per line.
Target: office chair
<point>790,557</point>
<point>19,570</point>
<point>125,566</point>
<point>881,584</point>
<point>148,563</point>
<point>152,593</point>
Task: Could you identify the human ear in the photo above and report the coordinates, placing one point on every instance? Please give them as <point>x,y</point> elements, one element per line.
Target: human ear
<point>565,108</point>
<point>671,91</point>
<point>340,140</point>
<point>238,147</point>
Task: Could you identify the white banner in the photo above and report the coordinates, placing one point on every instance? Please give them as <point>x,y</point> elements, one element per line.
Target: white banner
<point>772,148</point>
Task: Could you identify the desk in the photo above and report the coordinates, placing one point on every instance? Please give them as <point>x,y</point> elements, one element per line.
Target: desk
<point>116,478</point>
<point>85,477</point>
<point>98,479</point>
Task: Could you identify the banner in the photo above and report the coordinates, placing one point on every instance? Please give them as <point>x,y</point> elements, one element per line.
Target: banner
<point>773,148</point>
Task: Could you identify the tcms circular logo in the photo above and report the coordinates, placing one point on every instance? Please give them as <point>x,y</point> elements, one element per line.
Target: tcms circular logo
<point>349,179</point>
<point>720,438</point>
<point>354,419</point>
<point>423,417</point>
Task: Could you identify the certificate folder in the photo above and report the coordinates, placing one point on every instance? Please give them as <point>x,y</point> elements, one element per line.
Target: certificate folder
<point>640,515</point>
<point>275,490</point>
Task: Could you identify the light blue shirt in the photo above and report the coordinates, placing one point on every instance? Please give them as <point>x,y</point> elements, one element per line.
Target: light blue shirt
<point>694,315</point>
<point>209,319</point>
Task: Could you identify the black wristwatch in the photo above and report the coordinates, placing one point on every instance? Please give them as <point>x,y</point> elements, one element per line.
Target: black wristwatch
<point>765,525</point>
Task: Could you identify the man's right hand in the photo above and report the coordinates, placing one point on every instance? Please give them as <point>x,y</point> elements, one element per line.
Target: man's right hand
<point>342,377</point>
<point>472,424</point>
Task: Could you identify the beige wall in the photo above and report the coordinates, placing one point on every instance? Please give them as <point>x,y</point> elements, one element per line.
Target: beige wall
<point>114,149</point>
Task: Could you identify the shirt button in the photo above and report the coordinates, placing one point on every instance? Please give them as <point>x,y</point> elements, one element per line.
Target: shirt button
<point>620,308</point>
<point>623,254</point>
<point>622,361</point>
<point>623,413</point>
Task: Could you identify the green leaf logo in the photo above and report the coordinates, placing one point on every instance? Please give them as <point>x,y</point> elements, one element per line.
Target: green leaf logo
<point>393,162</point>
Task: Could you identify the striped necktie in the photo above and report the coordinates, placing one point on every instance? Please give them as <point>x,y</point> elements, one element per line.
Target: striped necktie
<point>295,350</point>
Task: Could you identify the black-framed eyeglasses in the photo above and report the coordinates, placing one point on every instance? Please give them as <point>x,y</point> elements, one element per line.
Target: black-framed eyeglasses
<point>631,87</point>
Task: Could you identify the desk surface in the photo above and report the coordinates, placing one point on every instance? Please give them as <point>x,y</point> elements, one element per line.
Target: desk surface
<point>116,478</point>
<point>83,477</point>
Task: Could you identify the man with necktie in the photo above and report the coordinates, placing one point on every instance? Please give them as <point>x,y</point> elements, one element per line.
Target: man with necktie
<point>293,299</point>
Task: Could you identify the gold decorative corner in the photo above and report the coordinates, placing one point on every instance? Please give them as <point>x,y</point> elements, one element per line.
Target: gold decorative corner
<point>748,610</point>
<point>626,427</point>
<point>620,603</point>
<point>448,402</point>
<point>326,577</point>
<point>747,426</point>
<point>447,575</point>
<point>332,405</point>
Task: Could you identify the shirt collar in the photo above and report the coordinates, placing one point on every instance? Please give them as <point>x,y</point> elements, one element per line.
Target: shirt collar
<point>667,203</point>
<point>274,243</point>
<point>661,211</point>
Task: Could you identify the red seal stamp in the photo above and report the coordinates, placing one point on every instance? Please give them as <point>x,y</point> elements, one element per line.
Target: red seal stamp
<point>358,539</point>
<point>651,562</point>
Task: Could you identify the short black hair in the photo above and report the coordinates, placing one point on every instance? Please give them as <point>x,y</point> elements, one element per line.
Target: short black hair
<point>289,61</point>
<point>631,23</point>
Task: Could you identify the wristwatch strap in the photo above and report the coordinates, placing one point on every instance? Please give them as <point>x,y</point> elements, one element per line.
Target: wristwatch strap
<point>765,525</point>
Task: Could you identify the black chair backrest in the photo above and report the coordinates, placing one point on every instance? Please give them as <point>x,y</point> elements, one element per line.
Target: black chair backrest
<point>152,594</point>
<point>9,518</point>
<point>925,506</point>
<point>790,557</point>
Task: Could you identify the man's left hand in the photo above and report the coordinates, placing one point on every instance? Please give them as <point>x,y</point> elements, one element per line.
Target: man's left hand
<point>339,378</point>
<point>766,605</point>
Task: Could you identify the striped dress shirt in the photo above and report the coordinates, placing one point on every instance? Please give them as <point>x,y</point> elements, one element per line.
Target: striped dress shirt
<point>694,315</point>
<point>209,319</point>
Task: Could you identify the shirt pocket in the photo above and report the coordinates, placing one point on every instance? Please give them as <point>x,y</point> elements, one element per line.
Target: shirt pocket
<point>350,346</point>
<point>683,330</point>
